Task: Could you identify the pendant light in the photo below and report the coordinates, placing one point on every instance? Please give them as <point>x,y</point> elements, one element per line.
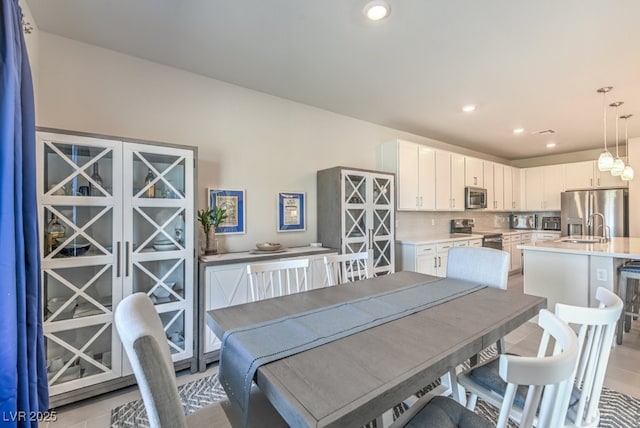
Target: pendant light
<point>618,164</point>
<point>627,172</point>
<point>605,161</point>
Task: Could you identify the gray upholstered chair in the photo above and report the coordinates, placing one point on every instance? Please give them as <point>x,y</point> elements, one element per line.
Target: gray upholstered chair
<point>145,343</point>
<point>483,265</point>
<point>547,380</point>
<point>596,330</point>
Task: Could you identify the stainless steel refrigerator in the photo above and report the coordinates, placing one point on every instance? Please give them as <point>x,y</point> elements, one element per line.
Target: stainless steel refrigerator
<point>578,206</point>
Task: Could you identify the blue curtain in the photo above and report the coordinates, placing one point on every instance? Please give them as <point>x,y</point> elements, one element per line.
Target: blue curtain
<point>23,373</point>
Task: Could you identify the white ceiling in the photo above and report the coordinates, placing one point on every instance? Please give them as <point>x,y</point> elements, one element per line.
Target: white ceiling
<point>531,64</point>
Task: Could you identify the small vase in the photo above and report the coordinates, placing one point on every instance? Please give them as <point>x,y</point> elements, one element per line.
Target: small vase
<point>211,244</point>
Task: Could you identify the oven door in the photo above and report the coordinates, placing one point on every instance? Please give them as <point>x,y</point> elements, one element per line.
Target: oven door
<point>492,242</point>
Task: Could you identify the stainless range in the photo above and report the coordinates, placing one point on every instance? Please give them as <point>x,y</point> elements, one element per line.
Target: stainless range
<point>490,239</point>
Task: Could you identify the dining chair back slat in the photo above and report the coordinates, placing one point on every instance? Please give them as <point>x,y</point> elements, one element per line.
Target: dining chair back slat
<point>596,329</point>
<point>274,279</point>
<point>345,268</point>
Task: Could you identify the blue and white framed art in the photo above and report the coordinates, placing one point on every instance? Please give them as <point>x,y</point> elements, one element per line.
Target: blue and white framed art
<point>234,202</point>
<point>291,211</point>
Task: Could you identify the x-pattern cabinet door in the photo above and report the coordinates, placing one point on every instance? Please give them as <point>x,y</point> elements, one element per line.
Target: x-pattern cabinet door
<point>158,248</point>
<point>368,217</point>
<point>79,192</point>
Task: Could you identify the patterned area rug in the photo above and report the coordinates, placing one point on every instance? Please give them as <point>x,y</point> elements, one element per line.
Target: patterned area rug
<point>617,410</point>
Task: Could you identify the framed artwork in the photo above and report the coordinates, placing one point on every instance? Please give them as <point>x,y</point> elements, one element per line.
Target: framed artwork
<point>291,211</point>
<point>233,201</point>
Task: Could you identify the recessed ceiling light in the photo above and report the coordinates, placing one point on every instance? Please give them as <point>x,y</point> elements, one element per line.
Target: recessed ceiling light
<point>468,108</point>
<point>377,10</point>
<point>518,130</point>
<point>551,145</point>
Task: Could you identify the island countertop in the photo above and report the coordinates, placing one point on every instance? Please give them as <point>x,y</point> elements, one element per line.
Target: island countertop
<point>624,248</point>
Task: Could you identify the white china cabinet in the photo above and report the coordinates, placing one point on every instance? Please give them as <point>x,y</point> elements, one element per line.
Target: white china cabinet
<point>112,218</point>
<point>356,213</point>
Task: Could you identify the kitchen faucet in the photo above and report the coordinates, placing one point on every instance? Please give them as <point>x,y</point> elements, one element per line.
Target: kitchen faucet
<point>604,237</point>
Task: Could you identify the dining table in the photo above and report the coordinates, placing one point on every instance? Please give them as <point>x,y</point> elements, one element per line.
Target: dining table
<point>354,379</point>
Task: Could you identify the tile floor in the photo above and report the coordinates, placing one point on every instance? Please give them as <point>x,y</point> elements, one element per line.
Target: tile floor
<point>623,375</point>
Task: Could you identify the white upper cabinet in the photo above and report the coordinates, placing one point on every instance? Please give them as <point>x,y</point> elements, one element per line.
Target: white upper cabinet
<point>586,175</point>
<point>414,166</point>
<point>543,186</point>
<point>473,175</point>
<point>498,187</point>
<point>511,178</point>
<point>449,185</point>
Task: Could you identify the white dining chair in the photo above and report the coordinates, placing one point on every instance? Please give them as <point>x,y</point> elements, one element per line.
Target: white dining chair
<point>596,331</point>
<point>144,340</point>
<point>545,379</point>
<point>274,279</point>
<point>343,268</point>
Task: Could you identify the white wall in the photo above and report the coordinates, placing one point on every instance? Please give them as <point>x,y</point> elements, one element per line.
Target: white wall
<point>245,139</point>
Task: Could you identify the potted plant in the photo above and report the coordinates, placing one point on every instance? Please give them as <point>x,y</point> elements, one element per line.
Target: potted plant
<point>210,219</point>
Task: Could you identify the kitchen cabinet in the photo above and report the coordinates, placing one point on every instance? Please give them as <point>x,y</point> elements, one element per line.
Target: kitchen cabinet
<point>510,244</point>
<point>586,175</point>
<point>414,166</point>
<point>226,284</point>
<point>473,172</point>
<point>511,177</point>
<point>449,190</point>
<point>544,236</point>
<point>357,214</point>
<point>543,186</point>
<point>493,178</point>
<point>430,258</point>
<point>113,217</point>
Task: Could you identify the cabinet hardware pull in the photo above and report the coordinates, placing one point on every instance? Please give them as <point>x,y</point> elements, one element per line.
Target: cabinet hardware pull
<point>435,262</point>
<point>417,201</point>
<point>127,258</point>
<point>420,200</point>
<point>439,262</point>
<point>118,258</point>
<point>453,203</point>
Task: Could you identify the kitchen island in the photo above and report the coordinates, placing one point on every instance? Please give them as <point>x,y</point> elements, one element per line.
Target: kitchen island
<point>570,272</point>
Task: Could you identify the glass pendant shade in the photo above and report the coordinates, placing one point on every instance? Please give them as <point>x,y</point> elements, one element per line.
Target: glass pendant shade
<point>605,161</point>
<point>627,172</point>
<point>618,167</point>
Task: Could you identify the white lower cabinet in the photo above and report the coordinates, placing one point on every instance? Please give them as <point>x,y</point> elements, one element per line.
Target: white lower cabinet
<point>510,245</point>
<point>228,285</point>
<point>429,258</point>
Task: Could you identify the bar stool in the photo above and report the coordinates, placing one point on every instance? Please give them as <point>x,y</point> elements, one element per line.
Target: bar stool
<point>630,294</point>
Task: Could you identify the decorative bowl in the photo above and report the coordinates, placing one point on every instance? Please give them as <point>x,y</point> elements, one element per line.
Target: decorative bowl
<point>164,245</point>
<point>54,303</point>
<point>268,246</point>
<point>161,292</point>
<point>74,248</point>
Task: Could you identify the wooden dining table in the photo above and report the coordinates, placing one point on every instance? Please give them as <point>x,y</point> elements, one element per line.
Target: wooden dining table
<point>350,381</point>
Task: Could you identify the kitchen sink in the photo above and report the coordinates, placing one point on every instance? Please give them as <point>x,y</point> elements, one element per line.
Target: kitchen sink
<point>584,240</point>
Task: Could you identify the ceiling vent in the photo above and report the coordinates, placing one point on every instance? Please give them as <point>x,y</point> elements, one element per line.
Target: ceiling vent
<point>544,132</point>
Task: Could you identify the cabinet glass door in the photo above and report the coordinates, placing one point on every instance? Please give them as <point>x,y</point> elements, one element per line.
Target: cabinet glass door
<point>355,208</point>
<point>158,247</point>
<point>383,224</point>
<point>80,229</point>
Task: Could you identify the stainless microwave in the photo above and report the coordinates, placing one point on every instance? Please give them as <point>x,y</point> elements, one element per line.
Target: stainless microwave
<point>475,197</point>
